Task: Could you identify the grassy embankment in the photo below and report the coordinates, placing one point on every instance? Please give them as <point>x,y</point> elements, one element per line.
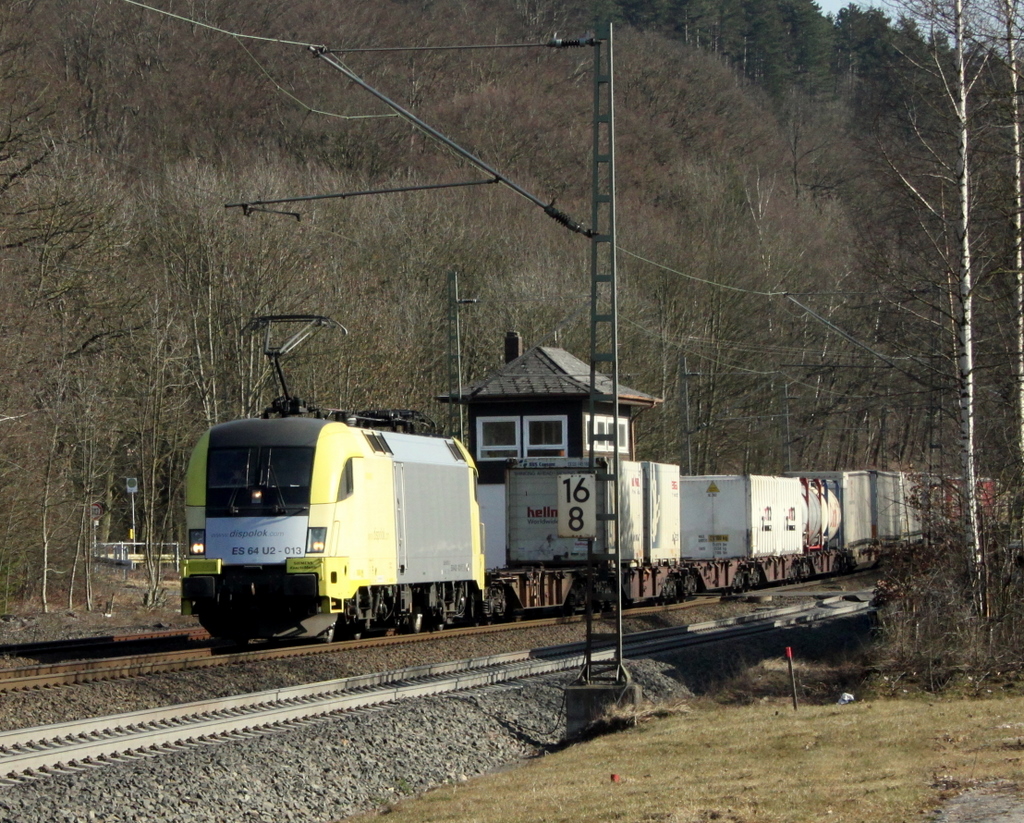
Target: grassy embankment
<point>883,760</point>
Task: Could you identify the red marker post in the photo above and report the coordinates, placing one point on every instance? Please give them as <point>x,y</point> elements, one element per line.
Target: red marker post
<point>792,676</point>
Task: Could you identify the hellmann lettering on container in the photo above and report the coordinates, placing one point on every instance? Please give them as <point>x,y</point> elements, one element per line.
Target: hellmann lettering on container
<point>542,514</point>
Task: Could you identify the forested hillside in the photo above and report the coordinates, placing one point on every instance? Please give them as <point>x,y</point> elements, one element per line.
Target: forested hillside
<point>786,194</point>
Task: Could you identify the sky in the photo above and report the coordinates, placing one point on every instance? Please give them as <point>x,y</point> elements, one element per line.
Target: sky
<point>832,6</point>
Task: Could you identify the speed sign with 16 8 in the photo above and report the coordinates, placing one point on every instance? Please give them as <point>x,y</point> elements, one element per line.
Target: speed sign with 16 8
<point>577,506</point>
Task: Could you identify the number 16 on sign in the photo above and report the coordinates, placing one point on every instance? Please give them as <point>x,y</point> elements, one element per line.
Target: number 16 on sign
<point>577,506</point>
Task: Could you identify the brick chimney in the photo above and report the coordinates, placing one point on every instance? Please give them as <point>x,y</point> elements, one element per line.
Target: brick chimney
<point>513,346</point>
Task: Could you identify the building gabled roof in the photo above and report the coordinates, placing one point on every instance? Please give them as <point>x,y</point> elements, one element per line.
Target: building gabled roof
<point>548,372</point>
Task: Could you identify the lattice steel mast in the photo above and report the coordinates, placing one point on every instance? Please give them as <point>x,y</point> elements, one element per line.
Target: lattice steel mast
<point>604,344</point>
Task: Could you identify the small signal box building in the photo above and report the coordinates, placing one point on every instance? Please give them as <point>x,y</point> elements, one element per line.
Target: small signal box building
<point>535,407</point>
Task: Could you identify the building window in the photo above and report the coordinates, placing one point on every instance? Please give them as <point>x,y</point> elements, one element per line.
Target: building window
<point>498,437</point>
<point>603,425</point>
<point>501,438</point>
<point>545,436</point>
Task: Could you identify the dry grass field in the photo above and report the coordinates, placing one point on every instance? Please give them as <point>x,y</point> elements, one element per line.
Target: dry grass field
<point>883,760</point>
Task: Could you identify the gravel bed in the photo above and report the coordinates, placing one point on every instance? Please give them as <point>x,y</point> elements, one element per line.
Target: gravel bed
<point>325,770</point>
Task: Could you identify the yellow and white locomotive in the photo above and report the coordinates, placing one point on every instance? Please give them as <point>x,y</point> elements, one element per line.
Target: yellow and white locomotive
<point>304,526</point>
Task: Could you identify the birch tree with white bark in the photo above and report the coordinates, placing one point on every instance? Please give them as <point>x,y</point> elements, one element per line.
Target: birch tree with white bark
<point>957,66</point>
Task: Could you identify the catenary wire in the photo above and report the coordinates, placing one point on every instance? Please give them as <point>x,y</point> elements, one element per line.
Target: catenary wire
<point>327,54</point>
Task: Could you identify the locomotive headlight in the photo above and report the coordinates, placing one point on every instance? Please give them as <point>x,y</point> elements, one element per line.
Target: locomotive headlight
<point>316,540</point>
<point>196,542</point>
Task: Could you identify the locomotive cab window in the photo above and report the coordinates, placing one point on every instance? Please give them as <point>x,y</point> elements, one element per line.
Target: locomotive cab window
<point>230,469</point>
<point>290,468</point>
<point>247,480</point>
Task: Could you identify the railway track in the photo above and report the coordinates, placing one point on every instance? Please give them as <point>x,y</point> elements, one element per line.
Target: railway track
<point>48,750</point>
<point>93,645</point>
<point>79,671</point>
<point>89,671</point>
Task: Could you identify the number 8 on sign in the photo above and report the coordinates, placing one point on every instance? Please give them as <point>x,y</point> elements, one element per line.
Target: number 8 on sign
<point>577,506</point>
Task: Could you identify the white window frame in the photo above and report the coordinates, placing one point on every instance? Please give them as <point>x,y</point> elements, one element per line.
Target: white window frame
<point>602,425</point>
<point>560,449</point>
<point>511,451</point>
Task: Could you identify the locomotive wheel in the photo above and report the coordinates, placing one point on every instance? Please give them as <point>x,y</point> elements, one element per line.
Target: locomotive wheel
<point>348,629</point>
<point>416,622</point>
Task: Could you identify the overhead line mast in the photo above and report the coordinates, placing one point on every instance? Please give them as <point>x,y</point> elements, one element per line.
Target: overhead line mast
<point>604,345</point>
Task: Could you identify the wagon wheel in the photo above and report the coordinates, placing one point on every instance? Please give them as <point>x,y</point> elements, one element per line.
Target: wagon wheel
<point>669,592</point>
<point>570,604</point>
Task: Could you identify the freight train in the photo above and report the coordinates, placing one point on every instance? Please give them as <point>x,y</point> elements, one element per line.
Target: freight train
<point>684,535</point>
<point>333,525</point>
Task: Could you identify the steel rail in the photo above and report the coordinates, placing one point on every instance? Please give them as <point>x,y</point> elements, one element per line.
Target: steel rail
<point>90,643</point>
<point>45,750</point>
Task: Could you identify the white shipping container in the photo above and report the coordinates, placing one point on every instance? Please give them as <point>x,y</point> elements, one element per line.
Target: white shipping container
<point>736,516</point>
<point>898,516</point>
<point>661,512</point>
<point>631,504</point>
<point>889,509</point>
<point>531,498</point>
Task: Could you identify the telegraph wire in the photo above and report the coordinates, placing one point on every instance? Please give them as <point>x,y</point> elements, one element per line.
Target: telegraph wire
<point>728,364</point>
<point>700,279</point>
<point>441,48</point>
<point>328,55</point>
<point>729,287</point>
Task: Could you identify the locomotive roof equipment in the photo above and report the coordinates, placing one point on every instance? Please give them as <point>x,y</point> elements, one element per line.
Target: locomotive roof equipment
<point>286,405</point>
